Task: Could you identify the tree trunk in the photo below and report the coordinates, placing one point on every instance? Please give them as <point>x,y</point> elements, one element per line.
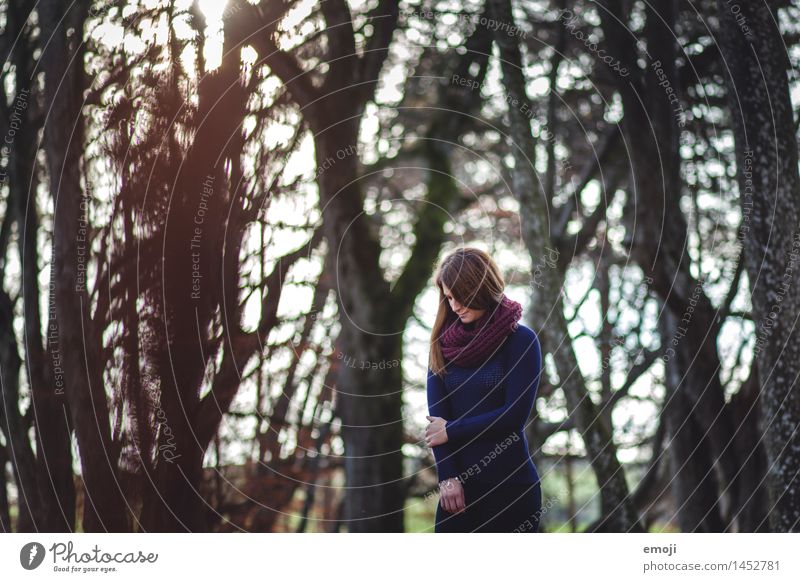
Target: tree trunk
<point>13,425</point>
<point>753,512</point>
<point>657,238</point>
<point>692,476</point>
<point>50,410</point>
<point>618,512</point>
<point>105,508</point>
<point>188,312</point>
<point>769,190</point>
<point>5,509</point>
<point>369,386</point>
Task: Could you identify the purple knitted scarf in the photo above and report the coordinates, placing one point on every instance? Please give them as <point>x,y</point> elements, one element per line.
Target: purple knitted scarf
<point>472,344</point>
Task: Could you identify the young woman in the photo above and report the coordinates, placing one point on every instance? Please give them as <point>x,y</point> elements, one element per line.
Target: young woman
<point>483,375</point>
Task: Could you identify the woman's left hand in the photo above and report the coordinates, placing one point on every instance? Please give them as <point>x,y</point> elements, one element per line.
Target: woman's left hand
<point>435,432</point>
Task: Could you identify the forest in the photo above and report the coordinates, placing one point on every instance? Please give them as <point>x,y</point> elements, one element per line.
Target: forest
<point>219,223</point>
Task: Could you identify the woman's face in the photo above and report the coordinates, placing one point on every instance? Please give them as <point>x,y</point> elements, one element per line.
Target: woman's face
<point>464,313</point>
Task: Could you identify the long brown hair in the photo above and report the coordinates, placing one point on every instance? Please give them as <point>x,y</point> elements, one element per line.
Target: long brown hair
<point>474,280</point>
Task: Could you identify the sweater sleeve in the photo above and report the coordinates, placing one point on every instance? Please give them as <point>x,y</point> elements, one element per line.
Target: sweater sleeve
<point>521,384</point>
<point>438,405</point>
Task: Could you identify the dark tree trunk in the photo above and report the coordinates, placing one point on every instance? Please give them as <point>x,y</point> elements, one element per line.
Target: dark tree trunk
<point>369,398</point>
<point>753,512</point>
<point>210,174</point>
<point>769,188</point>
<point>50,410</point>
<point>13,425</point>
<point>692,476</point>
<point>658,241</point>
<point>619,514</point>
<point>188,311</point>
<point>369,382</point>
<point>105,508</point>
<point>5,510</point>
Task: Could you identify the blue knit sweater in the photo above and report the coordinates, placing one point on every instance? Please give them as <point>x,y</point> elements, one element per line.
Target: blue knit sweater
<point>486,409</point>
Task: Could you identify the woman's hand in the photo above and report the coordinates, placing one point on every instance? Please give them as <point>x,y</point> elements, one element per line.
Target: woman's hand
<point>451,495</point>
<point>435,432</point>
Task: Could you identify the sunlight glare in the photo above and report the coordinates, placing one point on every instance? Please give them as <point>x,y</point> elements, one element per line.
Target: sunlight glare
<point>213,9</point>
<point>212,51</point>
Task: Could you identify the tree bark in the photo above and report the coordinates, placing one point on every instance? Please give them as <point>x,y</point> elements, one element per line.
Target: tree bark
<point>369,398</point>
<point>755,67</point>
<point>5,509</point>
<point>105,508</point>
<point>50,410</point>
<point>13,425</point>
<point>369,380</point>
<point>657,238</point>
<point>618,512</point>
<point>692,476</point>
